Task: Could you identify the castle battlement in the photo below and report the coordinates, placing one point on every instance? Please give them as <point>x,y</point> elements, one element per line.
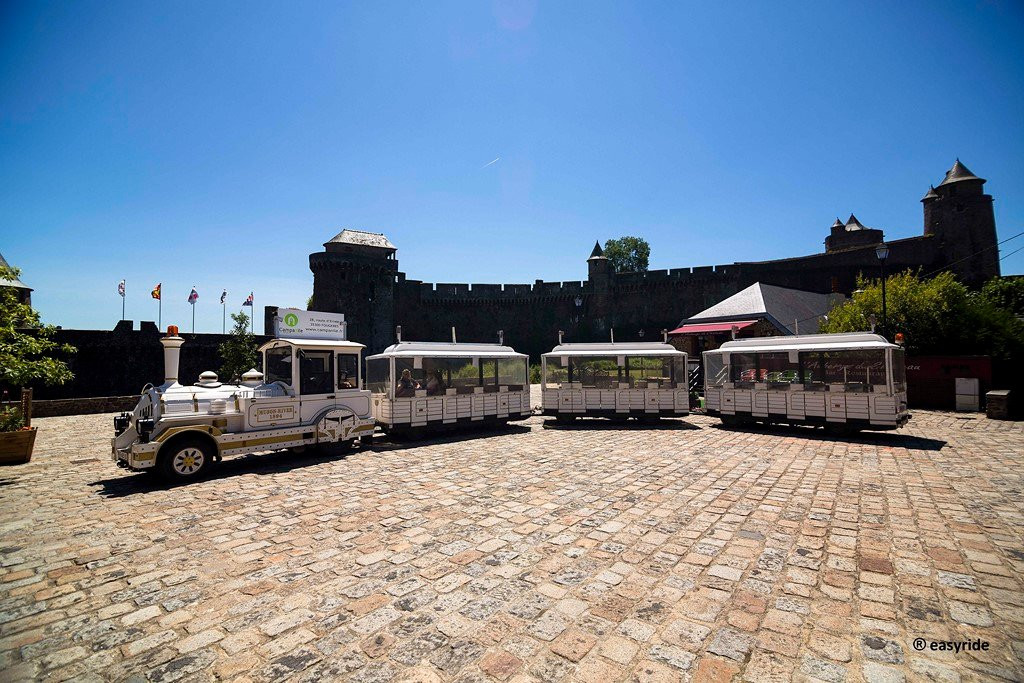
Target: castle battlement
<point>357,274</point>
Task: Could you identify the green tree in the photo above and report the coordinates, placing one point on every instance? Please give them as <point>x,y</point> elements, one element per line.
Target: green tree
<point>628,254</point>
<point>239,351</point>
<point>1005,292</point>
<point>26,345</point>
<point>936,316</point>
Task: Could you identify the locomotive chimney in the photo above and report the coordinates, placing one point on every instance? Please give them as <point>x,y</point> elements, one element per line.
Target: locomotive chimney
<point>172,350</point>
<point>453,335</point>
<point>501,337</point>
<point>398,333</point>
<point>612,331</point>
<point>664,336</point>
<point>560,333</point>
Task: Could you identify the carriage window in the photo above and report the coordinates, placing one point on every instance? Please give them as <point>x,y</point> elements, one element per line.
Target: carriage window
<point>555,374</point>
<point>596,372</point>
<point>812,367</point>
<point>899,371</point>
<point>408,378</point>
<point>348,371</point>
<point>650,372</point>
<point>316,372</point>
<point>465,375</point>
<point>857,369</point>
<point>776,368</point>
<point>512,373</point>
<point>744,367</point>
<point>489,371</point>
<point>377,380</point>
<point>715,370</point>
<point>279,365</point>
<point>680,373</point>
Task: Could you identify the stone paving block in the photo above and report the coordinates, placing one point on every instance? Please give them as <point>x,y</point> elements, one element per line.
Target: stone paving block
<point>532,554</point>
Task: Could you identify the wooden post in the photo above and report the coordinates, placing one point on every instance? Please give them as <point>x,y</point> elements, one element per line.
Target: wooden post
<point>26,406</point>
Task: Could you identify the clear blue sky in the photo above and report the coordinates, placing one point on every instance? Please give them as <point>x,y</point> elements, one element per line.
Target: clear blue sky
<point>217,144</point>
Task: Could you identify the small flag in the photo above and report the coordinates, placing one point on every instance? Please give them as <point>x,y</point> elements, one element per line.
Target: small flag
<point>248,302</point>
<point>223,295</point>
<point>120,288</point>
<point>156,291</point>
<point>193,296</point>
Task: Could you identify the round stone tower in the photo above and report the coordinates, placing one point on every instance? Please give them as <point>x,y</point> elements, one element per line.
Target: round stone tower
<point>355,275</point>
<point>959,214</point>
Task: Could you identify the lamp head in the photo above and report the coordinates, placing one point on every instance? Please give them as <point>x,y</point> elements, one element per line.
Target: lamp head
<point>882,251</point>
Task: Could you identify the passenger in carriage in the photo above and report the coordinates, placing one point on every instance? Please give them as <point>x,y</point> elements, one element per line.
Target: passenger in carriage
<point>406,386</point>
<point>435,385</point>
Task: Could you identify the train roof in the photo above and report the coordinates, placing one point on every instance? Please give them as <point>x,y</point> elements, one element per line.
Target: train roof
<point>448,350</point>
<point>323,343</point>
<point>615,349</point>
<point>844,341</point>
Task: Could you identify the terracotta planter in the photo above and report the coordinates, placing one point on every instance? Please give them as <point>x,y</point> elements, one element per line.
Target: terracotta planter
<point>16,447</point>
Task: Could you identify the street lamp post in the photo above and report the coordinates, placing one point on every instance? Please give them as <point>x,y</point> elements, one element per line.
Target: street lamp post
<point>882,252</point>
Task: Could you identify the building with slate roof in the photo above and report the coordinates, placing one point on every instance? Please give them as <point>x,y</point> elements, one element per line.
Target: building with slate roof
<point>760,310</point>
<point>23,291</point>
<point>357,274</point>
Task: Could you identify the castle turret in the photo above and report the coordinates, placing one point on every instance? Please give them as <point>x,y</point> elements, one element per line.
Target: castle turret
<point>959,214</point>
<point>355,275</point>
<point>851,234</point>
<point>599,275</point>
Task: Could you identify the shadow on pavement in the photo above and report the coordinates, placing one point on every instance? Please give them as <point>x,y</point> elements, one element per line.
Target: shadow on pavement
<point>132,483</point>
<point>602,423</point>
<point>413,440</point>
<point>890,439</point>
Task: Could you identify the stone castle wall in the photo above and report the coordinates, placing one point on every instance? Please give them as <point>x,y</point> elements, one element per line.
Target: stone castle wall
<point>119,362</point>
<point>354,277</point>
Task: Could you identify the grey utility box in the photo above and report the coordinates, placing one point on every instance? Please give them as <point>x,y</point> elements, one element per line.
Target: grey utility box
<point>967,394</point>
<point>997,404</point>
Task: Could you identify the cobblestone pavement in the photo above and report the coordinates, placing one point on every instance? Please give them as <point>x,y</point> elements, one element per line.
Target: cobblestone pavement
<point>596,552</point>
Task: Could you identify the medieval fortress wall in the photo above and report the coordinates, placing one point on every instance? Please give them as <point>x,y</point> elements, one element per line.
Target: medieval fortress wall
<point>357,274</point>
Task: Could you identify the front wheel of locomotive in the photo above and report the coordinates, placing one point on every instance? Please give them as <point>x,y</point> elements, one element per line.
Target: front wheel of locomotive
<point>185,460</point>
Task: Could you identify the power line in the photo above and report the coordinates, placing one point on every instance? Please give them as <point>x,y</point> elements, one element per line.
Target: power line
<point>980,251</point>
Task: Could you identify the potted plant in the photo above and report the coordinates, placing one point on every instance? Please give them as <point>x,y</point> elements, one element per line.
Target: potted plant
<point>16,439</point>
<point>25,348</point>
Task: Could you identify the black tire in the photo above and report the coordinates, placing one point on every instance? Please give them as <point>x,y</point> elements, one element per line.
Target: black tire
<point>185,459</point>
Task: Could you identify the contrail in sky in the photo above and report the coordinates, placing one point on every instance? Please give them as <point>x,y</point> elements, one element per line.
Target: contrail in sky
<point>489,163</point>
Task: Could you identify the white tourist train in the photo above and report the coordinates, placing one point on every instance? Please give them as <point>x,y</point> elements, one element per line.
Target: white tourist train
<point>844,382</point>
<point>429,384</point>
<point>645,380</point>
<point>310,395</point>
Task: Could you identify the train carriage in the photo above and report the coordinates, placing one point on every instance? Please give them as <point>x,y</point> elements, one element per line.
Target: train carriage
<point>844,382</point>
<point>644,380</point>
<point>436,384</point>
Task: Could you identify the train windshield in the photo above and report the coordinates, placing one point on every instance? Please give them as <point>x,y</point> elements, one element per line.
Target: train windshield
<point>899,371</point>
<point>279,365</point>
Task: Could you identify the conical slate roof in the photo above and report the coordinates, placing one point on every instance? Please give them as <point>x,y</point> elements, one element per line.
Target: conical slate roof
<point>853,224</point>
<point>958,173</point>
<point>931,194</point>
<point>598,252</point>
<point>838,223</point>
<point>11,283</point>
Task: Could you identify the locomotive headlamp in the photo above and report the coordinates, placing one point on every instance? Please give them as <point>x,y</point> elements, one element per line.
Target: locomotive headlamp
<point>145,428</point>
<point>121,423</point>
